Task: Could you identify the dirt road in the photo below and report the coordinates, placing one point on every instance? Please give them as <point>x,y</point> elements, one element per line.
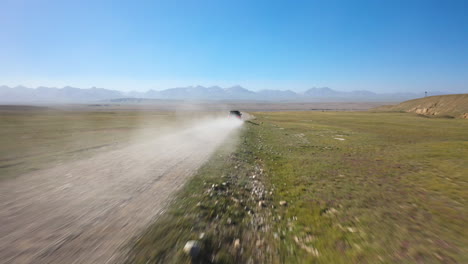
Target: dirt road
<point>85,211</point>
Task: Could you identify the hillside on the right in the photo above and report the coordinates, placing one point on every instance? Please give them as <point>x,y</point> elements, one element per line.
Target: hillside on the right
<point>449,106</point>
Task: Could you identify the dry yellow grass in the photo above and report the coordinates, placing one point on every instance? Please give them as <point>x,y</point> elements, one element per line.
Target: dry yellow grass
<point>453,105</point>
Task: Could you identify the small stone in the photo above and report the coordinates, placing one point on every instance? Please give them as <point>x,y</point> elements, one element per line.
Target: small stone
<point>283,203</point>
<point>296,239</point>
<point>201,236</point>
<point>237,243</point>
<point>259,243</point>
<point>229,221</point>
<point>192,248</point>
<point>262,204</point>
<point>312,251</point>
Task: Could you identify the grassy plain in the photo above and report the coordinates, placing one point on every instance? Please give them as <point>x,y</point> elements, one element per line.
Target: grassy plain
<point>360,188</point>
<point>36,137</point>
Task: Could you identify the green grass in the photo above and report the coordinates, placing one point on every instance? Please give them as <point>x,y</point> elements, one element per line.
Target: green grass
<point>397,185</point>
<point>393,191</point>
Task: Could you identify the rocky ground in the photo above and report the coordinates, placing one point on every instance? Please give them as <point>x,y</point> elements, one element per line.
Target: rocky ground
<point>222,219</point>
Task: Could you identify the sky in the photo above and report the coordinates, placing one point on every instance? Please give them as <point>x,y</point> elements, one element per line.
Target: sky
<point>376,45</point>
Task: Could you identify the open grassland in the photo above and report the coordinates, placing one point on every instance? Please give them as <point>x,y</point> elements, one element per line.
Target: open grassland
<point>370,187</point>
<point>34,138</point>
<point>37,137</point>
<point>360,188</point>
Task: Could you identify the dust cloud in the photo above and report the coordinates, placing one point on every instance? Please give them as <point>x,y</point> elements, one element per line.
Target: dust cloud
<point>84,211</point>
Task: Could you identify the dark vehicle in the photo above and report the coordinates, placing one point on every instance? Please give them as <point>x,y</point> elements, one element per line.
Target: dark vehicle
<point>235,113</point>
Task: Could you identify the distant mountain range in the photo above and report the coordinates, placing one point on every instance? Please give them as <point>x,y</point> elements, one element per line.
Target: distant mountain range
<point>21,94</point>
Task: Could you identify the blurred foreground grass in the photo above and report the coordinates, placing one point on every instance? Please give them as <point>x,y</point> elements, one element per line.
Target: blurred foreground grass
<point>360,188</point>
<point>370,187</point>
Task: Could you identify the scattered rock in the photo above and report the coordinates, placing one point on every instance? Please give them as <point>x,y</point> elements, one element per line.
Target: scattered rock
<point>331,211</point>
<point>262,204</point>
<point>259,243</point>
<point>309,249</point>
<point>309,238</point>
<point>192,248</point>
<point>237,243</point>
<point>283,203</point>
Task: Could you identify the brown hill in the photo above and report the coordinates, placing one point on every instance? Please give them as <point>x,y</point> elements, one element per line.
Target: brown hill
<point>453,105</point>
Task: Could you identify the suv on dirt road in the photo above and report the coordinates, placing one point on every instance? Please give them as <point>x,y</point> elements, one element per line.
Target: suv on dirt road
<point>235,113</point>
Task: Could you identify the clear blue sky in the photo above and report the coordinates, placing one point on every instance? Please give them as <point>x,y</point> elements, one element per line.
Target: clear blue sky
<point>346,45</point>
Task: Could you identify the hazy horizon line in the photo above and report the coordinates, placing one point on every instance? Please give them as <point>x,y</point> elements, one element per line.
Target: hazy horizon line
<point>231,86</point>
